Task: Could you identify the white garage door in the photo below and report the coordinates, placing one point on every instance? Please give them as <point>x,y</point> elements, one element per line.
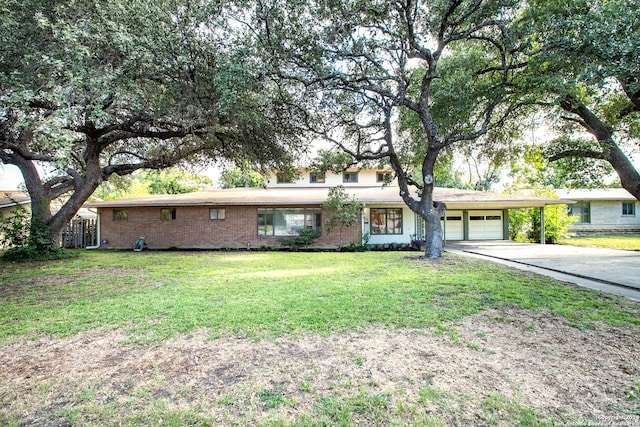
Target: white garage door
<point>485,225</point>
<point>454,228</point>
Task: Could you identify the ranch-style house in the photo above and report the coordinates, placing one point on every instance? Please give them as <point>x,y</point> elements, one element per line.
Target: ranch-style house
<point>253,218</point>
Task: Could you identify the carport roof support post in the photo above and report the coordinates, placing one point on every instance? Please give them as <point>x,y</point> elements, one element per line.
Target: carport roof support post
<point>542,231</point>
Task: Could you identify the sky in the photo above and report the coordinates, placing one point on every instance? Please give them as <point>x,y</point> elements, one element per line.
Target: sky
<point>10,178</point>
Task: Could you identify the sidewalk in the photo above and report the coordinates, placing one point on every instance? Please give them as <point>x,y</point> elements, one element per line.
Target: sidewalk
<point>607,270</point>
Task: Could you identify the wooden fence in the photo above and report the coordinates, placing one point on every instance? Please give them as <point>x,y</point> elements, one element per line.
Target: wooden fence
<point>80,233</point>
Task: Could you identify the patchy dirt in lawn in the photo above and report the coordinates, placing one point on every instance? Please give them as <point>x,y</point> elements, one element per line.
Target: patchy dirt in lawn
<point>500,367</point>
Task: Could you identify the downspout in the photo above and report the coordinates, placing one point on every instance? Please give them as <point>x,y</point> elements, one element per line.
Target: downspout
<point>97,231</point>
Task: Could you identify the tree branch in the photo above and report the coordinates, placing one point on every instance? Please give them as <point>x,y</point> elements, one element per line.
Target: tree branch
<point>592,154</point>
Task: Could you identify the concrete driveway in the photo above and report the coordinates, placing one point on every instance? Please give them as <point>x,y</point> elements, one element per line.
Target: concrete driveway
<point>603,269</point>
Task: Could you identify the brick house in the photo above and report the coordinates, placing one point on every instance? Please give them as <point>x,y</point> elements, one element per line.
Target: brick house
<point>253,218</point>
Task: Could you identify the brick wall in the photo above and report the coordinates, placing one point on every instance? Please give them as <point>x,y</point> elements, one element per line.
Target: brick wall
<point>192,229</point>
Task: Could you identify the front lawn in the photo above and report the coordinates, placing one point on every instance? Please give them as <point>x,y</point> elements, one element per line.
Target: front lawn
<point>158,294</point>
<point>627,242</point>
<point>308,339</point>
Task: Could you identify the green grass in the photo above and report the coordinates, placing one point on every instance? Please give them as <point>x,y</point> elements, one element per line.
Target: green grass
<point>159,294</point>
<point>627,242</point>
<point>262,295</point>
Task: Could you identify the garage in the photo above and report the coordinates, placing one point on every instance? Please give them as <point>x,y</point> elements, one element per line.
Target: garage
<point>454,225</point>
<point>485,225</point>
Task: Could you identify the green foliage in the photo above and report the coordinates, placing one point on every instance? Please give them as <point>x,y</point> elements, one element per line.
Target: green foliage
<point>556,224</point>
<point>30,253</point>
<point>241,177</point>
<point>331,160</point>
<point>97,89</point>
<point>38,246</point>
<point>574,172</point>
<point>145,183</point>
<point>531,176</point>
<point>304,238</point>
<point>175,182</point>
<point>14,227</point>
<point>343,211</point>
<point>585,70</point>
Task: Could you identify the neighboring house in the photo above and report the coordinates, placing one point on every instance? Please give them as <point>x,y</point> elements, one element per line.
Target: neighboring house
<point>250,218</point>
<point>610,210</point>
<point>9,202</point>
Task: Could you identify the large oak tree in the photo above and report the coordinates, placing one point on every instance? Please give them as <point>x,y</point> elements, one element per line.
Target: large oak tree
<point>356,66</point>
<point>584,66</point>
<point>89,89</point>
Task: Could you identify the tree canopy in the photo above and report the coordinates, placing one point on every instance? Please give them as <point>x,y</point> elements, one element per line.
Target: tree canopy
<point>356,66</point>
<point>584,67</point>
<point>91,89</point>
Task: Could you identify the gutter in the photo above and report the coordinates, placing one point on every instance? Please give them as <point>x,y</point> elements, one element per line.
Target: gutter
<point>97,232</point>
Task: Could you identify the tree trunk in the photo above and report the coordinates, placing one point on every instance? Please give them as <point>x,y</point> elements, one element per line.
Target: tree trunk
<point>610,150</point>
<point>433,238</point>
<point>426,208</point>
<point>43,221</point>
<point>629,177</point>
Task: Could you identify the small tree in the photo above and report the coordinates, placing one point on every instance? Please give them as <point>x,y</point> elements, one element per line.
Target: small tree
<point>344,211</point>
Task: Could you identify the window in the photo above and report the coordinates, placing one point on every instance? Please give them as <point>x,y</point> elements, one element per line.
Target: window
<point>350,177</point>
<point>283,178</point>
<point>120,215</point>
<point>581,210</point>
<point>317,177</point>
<point>167,214</point>
<point>629,208</point>
<point>287,222</point>
<point>383,177</point>
<point>216,213</point>
<point>386,221</point>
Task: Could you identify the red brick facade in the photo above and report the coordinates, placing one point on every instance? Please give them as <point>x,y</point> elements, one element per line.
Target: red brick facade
<point>192,229</point>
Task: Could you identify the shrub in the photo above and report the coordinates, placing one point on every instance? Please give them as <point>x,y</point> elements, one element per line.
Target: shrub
<point>305,237</point>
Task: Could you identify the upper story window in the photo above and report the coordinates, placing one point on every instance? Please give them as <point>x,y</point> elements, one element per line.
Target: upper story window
<point>283,178</point>
<point>582,211</point>
<point>629,208</point>
<point>317,177</point>
<point>167,214</point>
<point>120,215</point>
<point>350,177</point>
<point>383,177</point>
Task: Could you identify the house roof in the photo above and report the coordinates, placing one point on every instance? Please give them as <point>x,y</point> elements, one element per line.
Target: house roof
<point>596,194</point>
<point>454,198</point>
<point>12,198</point>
